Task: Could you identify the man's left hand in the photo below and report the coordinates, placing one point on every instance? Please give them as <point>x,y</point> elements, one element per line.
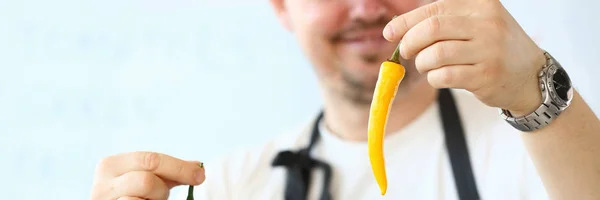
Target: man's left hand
<point>474,45</point>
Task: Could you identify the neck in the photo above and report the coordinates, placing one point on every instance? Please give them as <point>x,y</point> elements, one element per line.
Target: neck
<point>349,121</point>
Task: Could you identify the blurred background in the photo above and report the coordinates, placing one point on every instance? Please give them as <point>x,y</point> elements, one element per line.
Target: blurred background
<point>83,79</point>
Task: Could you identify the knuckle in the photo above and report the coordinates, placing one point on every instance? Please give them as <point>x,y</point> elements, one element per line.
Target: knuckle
<point>439,52</point>
<point>478,81</point>
<point>489,76</point>
<point>491,73</point>
<point>150,161</point>
<point>486,73</point>
<point>404,24</point>
<point>433,9</point>
<point>434,25</point>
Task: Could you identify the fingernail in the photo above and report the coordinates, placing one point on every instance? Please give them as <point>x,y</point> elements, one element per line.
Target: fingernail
<point>388,32</point>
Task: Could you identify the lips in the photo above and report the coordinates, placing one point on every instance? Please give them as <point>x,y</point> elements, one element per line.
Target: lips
<point>365,41</point>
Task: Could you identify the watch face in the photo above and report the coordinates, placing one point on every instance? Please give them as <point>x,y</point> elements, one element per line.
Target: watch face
<point>562,84</point>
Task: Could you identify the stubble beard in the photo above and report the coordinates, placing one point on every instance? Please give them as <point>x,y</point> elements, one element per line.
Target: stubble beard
<point>359,91</point>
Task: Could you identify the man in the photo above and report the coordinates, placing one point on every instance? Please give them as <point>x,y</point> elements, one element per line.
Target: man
<point>473,46</point>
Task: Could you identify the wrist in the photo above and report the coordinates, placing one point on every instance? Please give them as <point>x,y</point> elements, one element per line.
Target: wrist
<point>531,94</point>
<point>556,94</point>
<point>527,106</point>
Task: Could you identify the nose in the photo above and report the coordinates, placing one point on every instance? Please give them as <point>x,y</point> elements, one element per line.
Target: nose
<point>368,10</point>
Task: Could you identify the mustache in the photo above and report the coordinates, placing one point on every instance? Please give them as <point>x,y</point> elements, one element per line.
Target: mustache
<point>359,25</point>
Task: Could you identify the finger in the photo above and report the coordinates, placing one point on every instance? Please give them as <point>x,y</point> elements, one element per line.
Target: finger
<point>129,198</point>
<point>434,29</point>
<point>444,53</point>
<point>397,27</point>
<point>456,76</point>
<point>140,184</point>
<point>166,167</point>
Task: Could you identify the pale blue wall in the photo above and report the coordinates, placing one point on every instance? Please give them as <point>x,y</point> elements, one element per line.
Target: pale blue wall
<point>80,80</point>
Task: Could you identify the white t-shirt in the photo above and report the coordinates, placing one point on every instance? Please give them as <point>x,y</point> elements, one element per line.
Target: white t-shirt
<point>417,163</point>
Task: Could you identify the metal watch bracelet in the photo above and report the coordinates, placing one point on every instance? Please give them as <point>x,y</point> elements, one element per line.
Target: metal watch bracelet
<point>551,107</point>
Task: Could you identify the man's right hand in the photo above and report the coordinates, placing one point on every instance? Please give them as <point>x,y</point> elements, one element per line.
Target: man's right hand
<point>143,176</point>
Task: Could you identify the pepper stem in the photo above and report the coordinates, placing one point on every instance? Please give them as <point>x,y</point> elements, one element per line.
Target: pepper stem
<point>190,195</point>
<point>396,55</point>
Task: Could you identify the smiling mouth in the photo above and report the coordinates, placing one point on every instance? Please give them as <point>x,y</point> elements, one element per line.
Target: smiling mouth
<point>365,38</point>
<point>370,35</point>
<point>368,42</point>
<point>370,58</point>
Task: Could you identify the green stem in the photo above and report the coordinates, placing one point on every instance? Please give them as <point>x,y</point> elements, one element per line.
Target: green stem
<point>190,195</point>
<point>396,55</point>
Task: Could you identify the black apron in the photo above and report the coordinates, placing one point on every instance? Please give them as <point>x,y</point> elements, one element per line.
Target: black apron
<point>299,163</point>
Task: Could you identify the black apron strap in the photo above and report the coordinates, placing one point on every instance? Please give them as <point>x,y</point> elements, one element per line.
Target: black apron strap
<point>457,147</point>
<point>299,165</point>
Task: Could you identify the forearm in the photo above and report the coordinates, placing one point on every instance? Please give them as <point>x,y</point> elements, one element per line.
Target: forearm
<point>566,153</point>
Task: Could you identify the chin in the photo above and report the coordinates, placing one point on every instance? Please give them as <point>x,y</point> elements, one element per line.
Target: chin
<point>367,67</point>
<point>360,90</point>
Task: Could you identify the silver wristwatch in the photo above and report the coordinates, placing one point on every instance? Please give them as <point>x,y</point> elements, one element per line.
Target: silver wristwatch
<point>557,93</point>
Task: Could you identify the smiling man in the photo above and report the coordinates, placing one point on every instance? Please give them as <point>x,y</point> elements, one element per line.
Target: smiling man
<point>440,143</point>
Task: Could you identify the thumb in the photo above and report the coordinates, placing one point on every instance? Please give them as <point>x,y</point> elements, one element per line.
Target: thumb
<point>172,184</point>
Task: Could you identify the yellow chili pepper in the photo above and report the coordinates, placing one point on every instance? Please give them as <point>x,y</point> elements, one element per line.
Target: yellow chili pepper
<point>391,74</point>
